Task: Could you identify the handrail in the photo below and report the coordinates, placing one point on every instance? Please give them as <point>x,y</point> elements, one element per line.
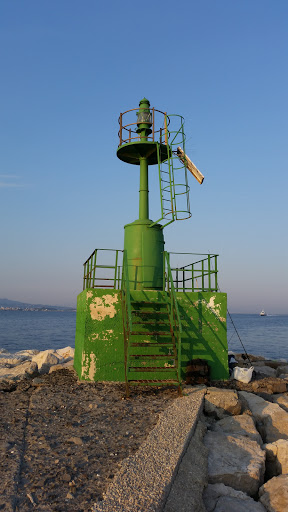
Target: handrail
<point>206,270</point>
<point>93,271</point>
<point>126,291</point>
<point>174,310</point>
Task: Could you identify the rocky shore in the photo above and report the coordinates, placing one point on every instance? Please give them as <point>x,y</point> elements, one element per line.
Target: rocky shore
<point>63,442</point>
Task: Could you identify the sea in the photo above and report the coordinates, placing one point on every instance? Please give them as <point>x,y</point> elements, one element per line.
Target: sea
<point>41,330</point>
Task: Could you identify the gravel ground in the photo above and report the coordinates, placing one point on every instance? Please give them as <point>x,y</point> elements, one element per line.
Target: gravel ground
<point>62,441</point>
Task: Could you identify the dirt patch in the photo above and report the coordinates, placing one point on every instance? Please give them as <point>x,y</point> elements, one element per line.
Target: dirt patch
<point>62,441</point>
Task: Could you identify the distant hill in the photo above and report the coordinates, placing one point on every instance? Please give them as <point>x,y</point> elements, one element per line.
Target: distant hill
<point>14,304</point>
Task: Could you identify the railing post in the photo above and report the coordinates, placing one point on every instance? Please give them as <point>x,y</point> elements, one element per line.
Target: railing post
<point>115,273</point>
<point>202,267</point>
<point>209,273</point>
<point>120,131</point>
<point>193,288</point>
<point>216,273</point>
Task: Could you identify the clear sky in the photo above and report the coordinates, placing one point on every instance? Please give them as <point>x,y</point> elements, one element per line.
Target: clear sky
<point>68,68</point>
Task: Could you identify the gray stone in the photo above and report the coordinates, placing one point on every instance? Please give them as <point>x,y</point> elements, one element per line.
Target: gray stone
<point>283,369</point>
<point>281,400</point>
<point>236,461</point>
<point>242,425</point>
<point>25,370</point>
<point>276,458</point>
<point>221,498</point>
<point>221,402</point>
<point>274,494</point>
<point>265,371</point>
<point>271,420</point>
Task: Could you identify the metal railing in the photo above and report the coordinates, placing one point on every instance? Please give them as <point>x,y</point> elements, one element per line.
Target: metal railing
<point>198,276</point>
<point>98,275</point>
<point>174,315</point>
<point>126,314</point>
<point>128,127</point>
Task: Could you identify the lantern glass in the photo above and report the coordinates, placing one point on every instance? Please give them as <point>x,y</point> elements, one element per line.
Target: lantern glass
<point>144,117</point>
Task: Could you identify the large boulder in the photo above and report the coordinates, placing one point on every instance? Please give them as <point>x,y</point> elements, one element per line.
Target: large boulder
<point>271,420</point>
<point>236,461</point>
<point>276,458</point>
<point>10,360</point>
<point>241,425</point>
<point>282,400</point>
<point>46,358</point>
<point>274,494</point>
<point>65,354</point>
<point>25,370</point>
<point>268,385</point>
<point>221,402</point>
<point>283,369</point>
<point>221,498</point>
<point>265,371</point>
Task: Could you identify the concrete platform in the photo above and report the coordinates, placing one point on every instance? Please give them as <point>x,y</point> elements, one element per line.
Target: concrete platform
<point>150,480</point>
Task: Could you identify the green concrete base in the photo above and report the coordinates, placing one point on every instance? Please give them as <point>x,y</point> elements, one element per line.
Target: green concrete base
<point>99,344</point>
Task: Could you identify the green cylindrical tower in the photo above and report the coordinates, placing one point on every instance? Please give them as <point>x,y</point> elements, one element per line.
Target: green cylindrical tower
<point>143,240</point>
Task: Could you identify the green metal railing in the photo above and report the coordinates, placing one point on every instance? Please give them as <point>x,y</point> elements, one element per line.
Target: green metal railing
<point>126,314</point>
<point>198,276</point>
<point>97,275</point>
<point>174,315</point>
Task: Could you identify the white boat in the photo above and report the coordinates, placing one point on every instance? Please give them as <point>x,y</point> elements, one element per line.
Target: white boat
<point>263,313</point>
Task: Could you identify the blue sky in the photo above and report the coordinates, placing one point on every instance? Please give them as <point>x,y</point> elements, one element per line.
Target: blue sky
<point>68,68</point>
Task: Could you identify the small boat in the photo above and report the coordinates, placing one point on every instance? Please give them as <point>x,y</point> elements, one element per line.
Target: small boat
<point>263,313</point>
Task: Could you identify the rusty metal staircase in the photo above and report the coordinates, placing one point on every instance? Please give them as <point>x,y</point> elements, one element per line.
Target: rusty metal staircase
<point>152,337</point>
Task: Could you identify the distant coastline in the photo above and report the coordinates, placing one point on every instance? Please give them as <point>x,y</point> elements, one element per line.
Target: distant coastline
<point>13,305</point>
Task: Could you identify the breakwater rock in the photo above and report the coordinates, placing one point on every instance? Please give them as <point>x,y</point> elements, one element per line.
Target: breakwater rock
<point>28,364</point>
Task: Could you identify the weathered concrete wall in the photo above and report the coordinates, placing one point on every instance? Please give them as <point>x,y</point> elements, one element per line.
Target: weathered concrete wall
<point>99,345</point>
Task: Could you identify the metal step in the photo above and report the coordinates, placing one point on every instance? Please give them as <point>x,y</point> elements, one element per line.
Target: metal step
<point>140,312</point>
<point>155,333</point>
<point>155,369</point>
<point>152,344</point>
<point>152,382</point>
<point>141,302</point>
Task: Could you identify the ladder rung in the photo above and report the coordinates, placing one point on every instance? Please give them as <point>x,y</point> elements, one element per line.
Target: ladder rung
<point>151,369</point>
<point>158,382</point>
<point>153,356</point>
<point>152,344</point>
<point>140,302</point>
<point>155,333</point>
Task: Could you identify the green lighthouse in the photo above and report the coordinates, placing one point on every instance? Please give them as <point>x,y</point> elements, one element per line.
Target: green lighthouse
<point>140,318</point>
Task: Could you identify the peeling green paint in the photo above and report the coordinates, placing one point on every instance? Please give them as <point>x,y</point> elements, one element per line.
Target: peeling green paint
<point>99,345</point>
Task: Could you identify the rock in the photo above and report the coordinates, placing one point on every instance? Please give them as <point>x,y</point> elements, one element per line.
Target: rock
<point>46,357</point>
<point>282,370</point>
<point>10,360</point>
<point>25,370</point>
<point>276,458</point>
<point>269,385</point>
<point>284,376</point>
<point>28,353</point>
<point>68,365</point>
<point>265,371</point>
<point>281,400</point>
<point>221,402</point>
<point>252,358</point>
<point>3,351</point>
<point>221,498</point>
<point>271,420</point>
<point>236,461</point>
<point>65,354</point>
<point>241,425</point>
<point>274,494</point>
